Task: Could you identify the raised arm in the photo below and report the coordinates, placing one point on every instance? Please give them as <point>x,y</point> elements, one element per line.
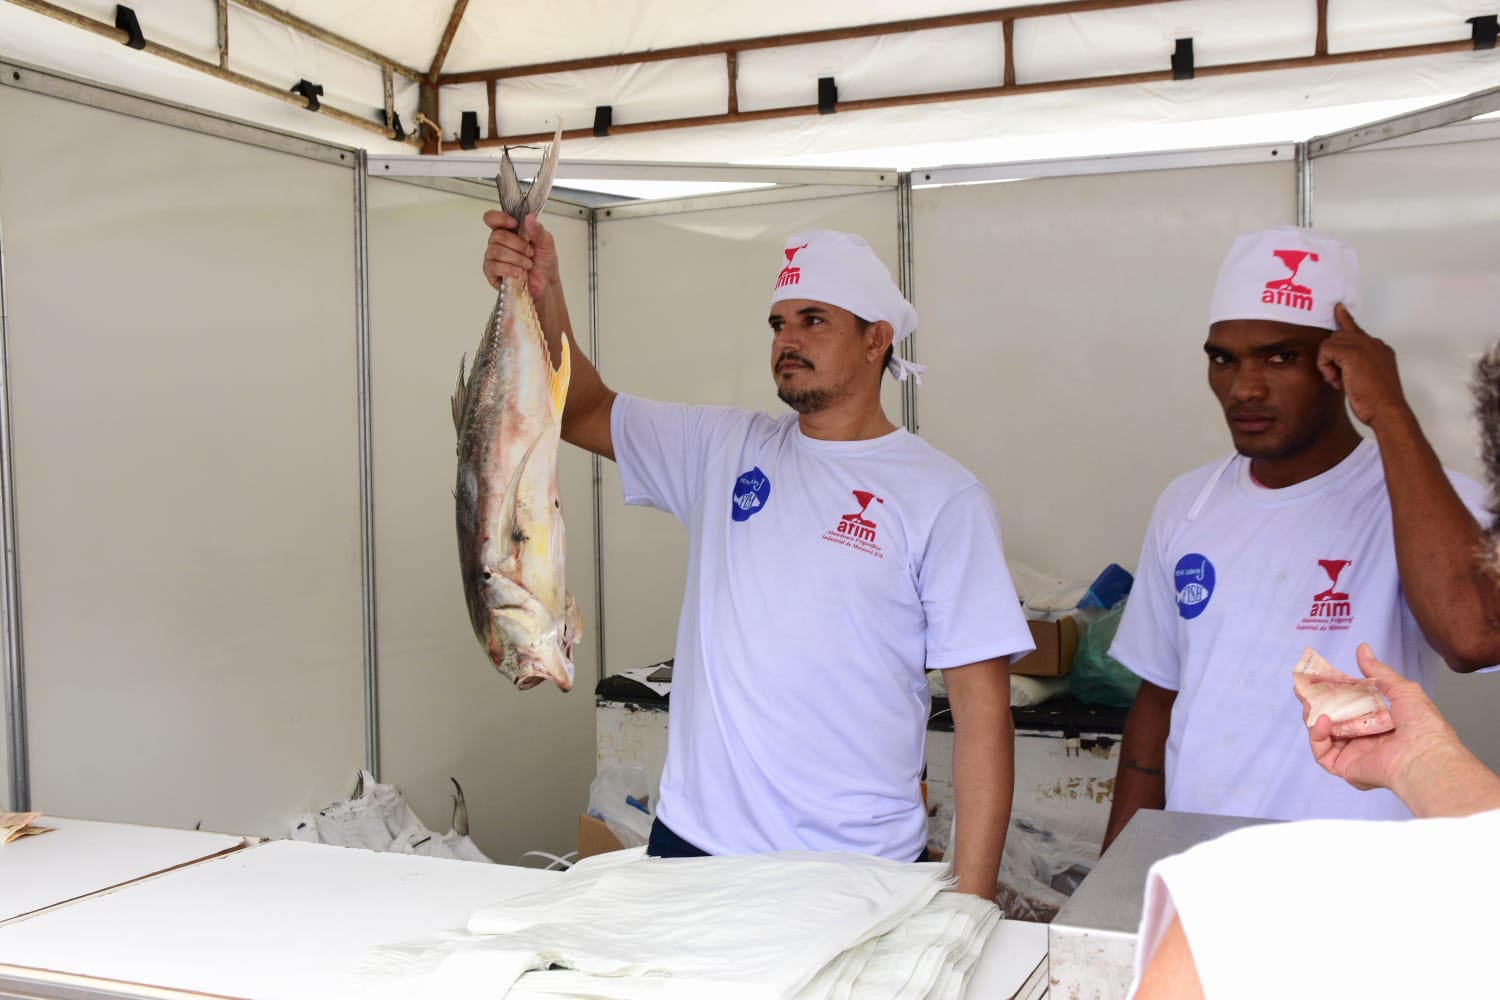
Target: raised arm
<point>984,771</point>
<point>508,254</point>
<point>1437,539</point>
<point>1141,776</point>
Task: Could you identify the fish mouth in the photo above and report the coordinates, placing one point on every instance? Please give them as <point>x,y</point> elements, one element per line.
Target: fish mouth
<point>533,674</point>
<point>532,665</point>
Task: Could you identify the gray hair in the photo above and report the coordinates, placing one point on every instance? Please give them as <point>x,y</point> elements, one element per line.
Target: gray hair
<point>1486,387</point>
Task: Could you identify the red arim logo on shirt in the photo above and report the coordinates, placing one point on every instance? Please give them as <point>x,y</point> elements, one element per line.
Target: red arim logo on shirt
<point>1331,608</point>
<point>856,530</point>
<point>1286,291</point>
<point>790,275</point>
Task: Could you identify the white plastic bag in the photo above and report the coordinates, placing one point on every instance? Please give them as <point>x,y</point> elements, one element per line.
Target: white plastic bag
<point>620,795</point>
<point>377,818</point>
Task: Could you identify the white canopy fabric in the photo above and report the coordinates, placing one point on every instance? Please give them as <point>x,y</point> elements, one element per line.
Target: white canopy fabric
<point>1209,110</point>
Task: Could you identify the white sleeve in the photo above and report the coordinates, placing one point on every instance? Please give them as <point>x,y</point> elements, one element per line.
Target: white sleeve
<point>662,449</point>
<point>1146,642</point>
<point>967,594</point>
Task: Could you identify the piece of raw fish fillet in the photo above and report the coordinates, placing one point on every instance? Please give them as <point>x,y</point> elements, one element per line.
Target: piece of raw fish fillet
<point>1354,704</point>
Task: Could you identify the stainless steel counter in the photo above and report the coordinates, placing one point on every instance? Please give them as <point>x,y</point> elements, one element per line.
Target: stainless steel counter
<point>1091,943</point>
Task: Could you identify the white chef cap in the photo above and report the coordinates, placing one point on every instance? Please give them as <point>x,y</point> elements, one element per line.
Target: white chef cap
<point>1288,274</point>
<point>840,269</point>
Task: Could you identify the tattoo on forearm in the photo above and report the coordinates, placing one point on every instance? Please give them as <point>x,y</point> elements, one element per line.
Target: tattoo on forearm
<point>1136,765</point>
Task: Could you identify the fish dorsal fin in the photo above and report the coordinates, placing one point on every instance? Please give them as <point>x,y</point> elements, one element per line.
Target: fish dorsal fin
<point>512,202</point>
<point>561,377</point>
<point>460,399</point>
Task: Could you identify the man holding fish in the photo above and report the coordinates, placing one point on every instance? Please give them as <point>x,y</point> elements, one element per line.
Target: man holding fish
<point>834,556</point>
<point>1307,537</point>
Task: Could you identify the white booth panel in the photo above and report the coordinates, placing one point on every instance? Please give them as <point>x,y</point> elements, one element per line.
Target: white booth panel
<point>683,300</point>
<point>1426,222</point>
<point>182,368</point>
<point>1062,323</point>
<point>7,794</point>
<point>524,758</point>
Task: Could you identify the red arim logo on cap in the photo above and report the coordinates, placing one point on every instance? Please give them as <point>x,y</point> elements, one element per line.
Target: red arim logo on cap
<point>790,275</point>
<point>1286,291</point>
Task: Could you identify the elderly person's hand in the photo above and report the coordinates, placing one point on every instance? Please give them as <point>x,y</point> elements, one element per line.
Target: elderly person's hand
<point>1383,760</point>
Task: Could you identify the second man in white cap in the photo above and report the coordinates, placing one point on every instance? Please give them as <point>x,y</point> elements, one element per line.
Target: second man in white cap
<point>1307,535</point>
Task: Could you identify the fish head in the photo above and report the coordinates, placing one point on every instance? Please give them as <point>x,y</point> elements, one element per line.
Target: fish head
<point>529,648</point>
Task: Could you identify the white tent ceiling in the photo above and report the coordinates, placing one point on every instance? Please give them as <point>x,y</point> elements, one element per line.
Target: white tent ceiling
<point>1160,113</point>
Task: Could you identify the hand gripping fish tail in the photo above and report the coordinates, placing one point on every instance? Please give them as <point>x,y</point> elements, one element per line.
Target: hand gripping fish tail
<point>508,415</point>
<point>1354,705</point>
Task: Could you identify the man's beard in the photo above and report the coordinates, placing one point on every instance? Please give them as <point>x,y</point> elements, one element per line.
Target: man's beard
<point>806,401</point>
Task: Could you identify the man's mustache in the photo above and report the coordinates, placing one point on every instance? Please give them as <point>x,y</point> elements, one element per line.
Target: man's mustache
<point>793,356</point>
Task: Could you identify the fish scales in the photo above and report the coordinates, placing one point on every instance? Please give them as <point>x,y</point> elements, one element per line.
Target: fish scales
<point>508,416</point>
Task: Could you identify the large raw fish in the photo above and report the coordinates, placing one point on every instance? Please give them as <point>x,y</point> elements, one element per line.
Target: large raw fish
<point>508,415</point>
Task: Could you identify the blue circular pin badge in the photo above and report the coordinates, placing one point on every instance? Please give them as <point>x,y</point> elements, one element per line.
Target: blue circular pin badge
<point>1193,581</point>
<point>751,491</point>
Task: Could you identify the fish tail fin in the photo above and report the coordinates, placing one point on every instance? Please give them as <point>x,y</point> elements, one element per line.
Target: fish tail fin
<point>561,377</point>
<point>512,201</point>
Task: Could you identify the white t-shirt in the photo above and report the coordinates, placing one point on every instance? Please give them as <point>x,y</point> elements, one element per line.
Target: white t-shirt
<point>1334,908</point>
<point>823,576</point>
<point>1235,580</point>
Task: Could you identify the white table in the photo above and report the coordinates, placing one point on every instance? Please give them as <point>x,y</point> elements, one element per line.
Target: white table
<point>290,920</point>
<point>82,856</point>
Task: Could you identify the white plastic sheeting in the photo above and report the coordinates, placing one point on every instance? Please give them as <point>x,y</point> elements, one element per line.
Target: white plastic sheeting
<point>495,34</point>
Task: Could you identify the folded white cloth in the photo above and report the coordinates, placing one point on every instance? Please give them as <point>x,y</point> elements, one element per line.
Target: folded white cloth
<point>752,926</point>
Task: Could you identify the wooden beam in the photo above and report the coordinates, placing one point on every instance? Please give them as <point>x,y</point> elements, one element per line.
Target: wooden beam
<point>490,94</point>
<point>1010,90</point>
<point>732,64</point>
<point>428,134</point>
<point>441,56</point>
<point>803,38</point>
<point>1009,29</point>
<point>108,30</point>
<point>223,23</point>
<point>1320,47</point>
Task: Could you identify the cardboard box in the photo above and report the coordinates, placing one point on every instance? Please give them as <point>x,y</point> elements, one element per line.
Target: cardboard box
<point>1056,642</point>
<point>594,837</point>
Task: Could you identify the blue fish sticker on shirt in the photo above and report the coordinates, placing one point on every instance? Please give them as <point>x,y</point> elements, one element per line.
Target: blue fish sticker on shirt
<point>1193,580</point>
<point>751,491</point>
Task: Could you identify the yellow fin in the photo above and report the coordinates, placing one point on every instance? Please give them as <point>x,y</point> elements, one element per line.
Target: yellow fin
<point>562,377</point>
